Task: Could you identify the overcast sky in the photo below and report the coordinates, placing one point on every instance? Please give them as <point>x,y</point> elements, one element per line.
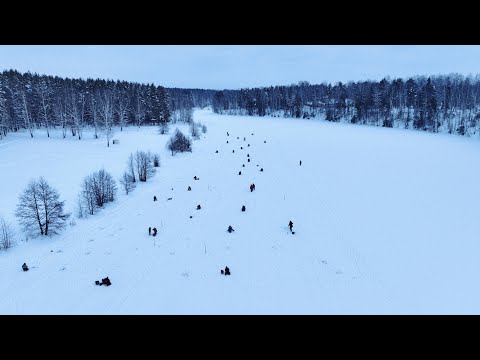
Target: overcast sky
<point>237,66</point>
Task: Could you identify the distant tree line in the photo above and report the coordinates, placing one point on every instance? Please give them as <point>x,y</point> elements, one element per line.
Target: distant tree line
<point>444,103</point>
<point>31,101</point>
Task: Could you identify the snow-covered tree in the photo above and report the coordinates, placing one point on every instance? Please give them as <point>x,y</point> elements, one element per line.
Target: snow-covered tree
<point>179,143</point>
<point>127,183</point>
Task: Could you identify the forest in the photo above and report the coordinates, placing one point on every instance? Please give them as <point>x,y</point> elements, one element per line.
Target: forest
<point>443,103</point>
<point>31,101</point>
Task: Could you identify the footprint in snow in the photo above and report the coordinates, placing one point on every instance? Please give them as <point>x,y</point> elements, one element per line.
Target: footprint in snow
<point>91,240</point>
<point>185,274</point>
<point>339,272</point>
<point>324,262</point>
<point>59,251</point>
<point>87,253</point>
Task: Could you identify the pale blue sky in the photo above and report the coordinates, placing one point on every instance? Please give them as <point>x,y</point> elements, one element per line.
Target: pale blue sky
<point>237,66</point>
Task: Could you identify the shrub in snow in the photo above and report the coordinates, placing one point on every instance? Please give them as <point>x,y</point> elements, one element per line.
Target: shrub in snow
<point>164,128</point>
<point>127,182</point>
<point>204,129</point>
<point>194,131</point>
<point>179,143</point>
<point>156,160</point>
<point>6,234</point>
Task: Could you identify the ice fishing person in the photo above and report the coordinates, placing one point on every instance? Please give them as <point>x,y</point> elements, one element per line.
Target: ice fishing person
<point>154,231</point>
<point>230,229</point>
<point>150,231</point>
<point>24,267</point>
<point>290,225</point>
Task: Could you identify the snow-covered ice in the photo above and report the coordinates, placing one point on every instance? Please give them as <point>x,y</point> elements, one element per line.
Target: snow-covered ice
<point>385,221</point>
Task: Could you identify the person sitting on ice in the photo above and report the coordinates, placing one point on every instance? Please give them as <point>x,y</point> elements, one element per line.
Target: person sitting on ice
<point>195,178</point>
<point>198,207</point>
<point>154,231</point>
<point>154,198</point>
<point>230,229</point>
<point>227,270</point>
<point>25,267</point>
<point>189,188</point>
<point>106,282</point>
<point>243,208</point>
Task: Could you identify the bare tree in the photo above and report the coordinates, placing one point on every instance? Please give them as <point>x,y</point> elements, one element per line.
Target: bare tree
<point>98,189</point>
<point>122,108</point>
<point>106,112</point>
<point>127,182</point>
<point>131,167</point>
<point>40,210</point>
<point>73,113</point>
<point>94,114</point>
<point>77,113</point>
<point>6,234</point>
<point>139,110</point>
<point>45,94</point>
<point>144,165</point>
<point>3,114</point>
<point>87,198</point>
<point>23,109</point>
<point>60,115</point>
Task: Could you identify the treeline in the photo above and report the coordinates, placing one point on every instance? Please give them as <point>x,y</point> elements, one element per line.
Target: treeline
<point>32,101</point>
<point>444,103</point>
